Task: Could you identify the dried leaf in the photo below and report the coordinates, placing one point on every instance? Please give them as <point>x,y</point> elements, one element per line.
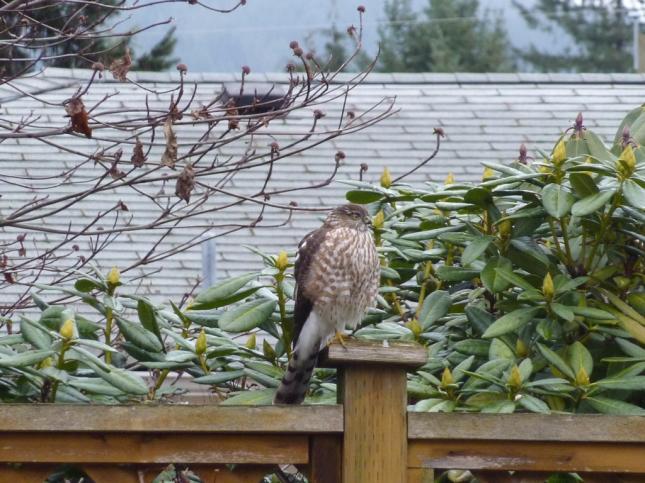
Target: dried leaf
<point>170,154</point>
<point>9,277</point>
<point>121,67</point>
<point>231,113</point>
<point>185,183</point>
<point>78,115</point>
<point>138,157</point>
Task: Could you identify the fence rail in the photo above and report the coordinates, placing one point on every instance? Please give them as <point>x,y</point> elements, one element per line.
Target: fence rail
<point>368,438</point>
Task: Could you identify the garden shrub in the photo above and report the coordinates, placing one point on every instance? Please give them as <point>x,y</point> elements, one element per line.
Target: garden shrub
<point>527,289</point>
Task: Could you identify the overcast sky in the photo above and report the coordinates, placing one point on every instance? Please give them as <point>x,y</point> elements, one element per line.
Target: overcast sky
<point>259,33</point>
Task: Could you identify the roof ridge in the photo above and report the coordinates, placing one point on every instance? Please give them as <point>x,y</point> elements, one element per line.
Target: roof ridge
<point>372,78</point>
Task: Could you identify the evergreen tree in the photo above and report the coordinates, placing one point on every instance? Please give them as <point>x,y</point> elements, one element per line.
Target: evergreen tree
<point>90,19</point>
<point>338,47</point>
<point>448,36</point>
<point>600,32</point>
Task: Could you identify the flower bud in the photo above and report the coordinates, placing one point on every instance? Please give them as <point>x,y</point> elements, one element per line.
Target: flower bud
<point>379,220</point>
<point>515,378</point>
<point>450,179</point>
<point>415,327</point>
<point>200,344</point>
<point>582,378</point>
<point>446,378</point>
<point>386,178</point>
<point>488,173</point>
<point>68,329</point>
<point>282,262</point>
<point>505,228</point>
<point>559,153</point>
<point>251,342</point>
<point>114,277</point>
<point>521,349</point>
<point>548,289</point>
<point>626,164</point>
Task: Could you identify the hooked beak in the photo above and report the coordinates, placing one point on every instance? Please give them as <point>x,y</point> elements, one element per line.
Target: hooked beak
<point>368,221</point>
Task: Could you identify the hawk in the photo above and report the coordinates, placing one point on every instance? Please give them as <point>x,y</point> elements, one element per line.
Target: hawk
<point>337,277</point>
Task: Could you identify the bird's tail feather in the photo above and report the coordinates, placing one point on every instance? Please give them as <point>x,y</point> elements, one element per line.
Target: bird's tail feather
<point>296,379</point>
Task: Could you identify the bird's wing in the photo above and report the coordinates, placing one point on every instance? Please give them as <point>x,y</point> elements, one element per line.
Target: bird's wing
<point>307,250</point>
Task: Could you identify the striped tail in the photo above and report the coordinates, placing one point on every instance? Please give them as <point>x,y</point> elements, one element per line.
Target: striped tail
<point>296,379</point>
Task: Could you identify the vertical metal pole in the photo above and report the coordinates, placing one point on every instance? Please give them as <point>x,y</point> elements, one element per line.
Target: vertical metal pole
<point>209,263</point>
<point>635,52</point>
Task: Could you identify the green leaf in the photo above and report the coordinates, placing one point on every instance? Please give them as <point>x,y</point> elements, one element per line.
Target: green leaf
<point>218,295</point>
<point>557,200</point>
<point>491,279</point>
<point>363,197</point>
<point>479,318</point>
<point>634,383</point>
<point>499,350</point>
<point>260,397</point>
<point>129,382</point>
<point>35,335</point>
<point>27,358</point>
<point>563,311</point>
<point>510,322</point>
<point>219,377</point>
<point>139,336</point>
<point>514,279</point>
<point>534,404</point>
<point>247,316</point>
<point>474,249</point>
<point>578,356</point>
<point>583,184</point>
<point>456,274</point>
<point>613,406</point>
<point>435,306</point>
<point>557,361</point>
<point>87,285</point>
<point>634,194</point>
<point>95,344</point>
<point>95,385</point>
<point>501,407</point>
<point>148,318</point>
<point>476,347</point>
<point>592,203</point>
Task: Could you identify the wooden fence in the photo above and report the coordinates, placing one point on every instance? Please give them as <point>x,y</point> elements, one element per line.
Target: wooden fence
<point>368,438</point>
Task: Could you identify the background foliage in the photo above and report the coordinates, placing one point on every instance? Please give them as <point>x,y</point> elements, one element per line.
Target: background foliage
<point>527,289</point>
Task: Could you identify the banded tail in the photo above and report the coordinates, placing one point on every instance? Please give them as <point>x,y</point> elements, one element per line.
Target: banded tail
<point>295,381</point>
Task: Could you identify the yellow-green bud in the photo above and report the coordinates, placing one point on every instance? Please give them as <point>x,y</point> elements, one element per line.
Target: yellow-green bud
<point>515,378</point>
<point>521,349</point>
<point>548,289</point>
<point>200,345</point>
<point>582,378</point>
<point>68,329</point>
<point>268,350</point>
<point>626,164</point>
<point>379,220</point>
<point>505,228</point>
<point>450,179</point>
<point>48,362</point>
<point>488,173</point>
<point>282,262</point>
<point>415,327</point>
<point>559,153</point>
<point>446,378</point>
<point>114,276</point>
<point>386,178</point>
<point>251,342</point>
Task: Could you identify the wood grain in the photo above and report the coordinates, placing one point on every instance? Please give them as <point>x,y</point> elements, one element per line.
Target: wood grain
<point>375,440</point>
<point>363,352</point>
<point>524,455</point>
<point>420,475</point>
<point>527,427</point>
<point>152,448</point>
<point>170,419</point>
<point>325,459</point>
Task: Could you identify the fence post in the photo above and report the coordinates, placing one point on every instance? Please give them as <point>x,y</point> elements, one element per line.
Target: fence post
<point>372,390</point>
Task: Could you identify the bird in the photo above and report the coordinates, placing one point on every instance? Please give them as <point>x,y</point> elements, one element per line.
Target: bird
<point>337,272</point>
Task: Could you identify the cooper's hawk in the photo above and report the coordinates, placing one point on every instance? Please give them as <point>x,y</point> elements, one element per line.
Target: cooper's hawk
<point>337,278</point>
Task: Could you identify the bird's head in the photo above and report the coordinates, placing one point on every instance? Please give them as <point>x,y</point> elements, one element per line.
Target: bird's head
<point>351,216</point>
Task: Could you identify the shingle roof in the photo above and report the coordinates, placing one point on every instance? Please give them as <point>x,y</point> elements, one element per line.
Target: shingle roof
<point>485,117</point>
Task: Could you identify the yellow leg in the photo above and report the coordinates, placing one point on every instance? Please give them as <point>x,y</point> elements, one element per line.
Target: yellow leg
<point>339,338</point>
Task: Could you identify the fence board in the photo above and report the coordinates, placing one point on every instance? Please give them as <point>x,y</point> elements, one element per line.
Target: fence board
<point>527,427</point>
<point>152,448</point>
<point>527,455</point>
<point>170,419</point>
